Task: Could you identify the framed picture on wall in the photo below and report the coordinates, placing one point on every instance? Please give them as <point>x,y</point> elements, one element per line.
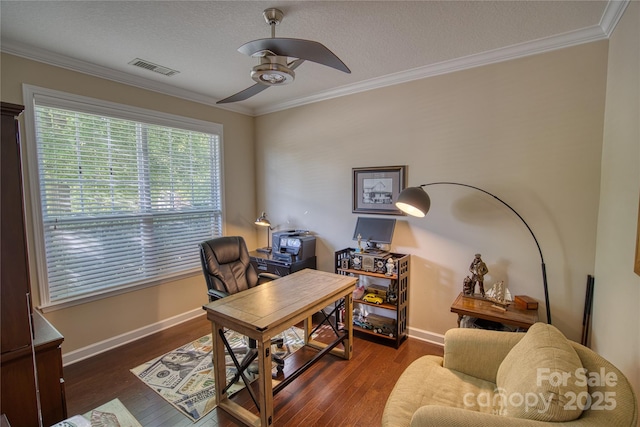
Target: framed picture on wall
<point>376,188</point>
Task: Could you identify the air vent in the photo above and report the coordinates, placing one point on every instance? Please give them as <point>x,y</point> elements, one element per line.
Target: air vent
<point>153,67</point>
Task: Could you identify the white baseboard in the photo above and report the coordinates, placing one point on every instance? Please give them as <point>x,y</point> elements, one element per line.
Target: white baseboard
<point>430,337</point>
<point>111,343</point>
<point>114,342</point>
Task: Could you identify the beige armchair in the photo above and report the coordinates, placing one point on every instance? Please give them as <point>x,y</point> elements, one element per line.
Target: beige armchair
<point>511,379</point>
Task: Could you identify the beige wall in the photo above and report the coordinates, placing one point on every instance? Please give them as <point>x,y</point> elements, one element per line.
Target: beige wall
<point>94,322</point>
<point>528,130</point>
<point>616,317</point>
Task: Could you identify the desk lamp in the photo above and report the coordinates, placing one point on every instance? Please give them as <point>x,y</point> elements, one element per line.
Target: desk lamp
<point>416,202</point>
<point>264,222</point>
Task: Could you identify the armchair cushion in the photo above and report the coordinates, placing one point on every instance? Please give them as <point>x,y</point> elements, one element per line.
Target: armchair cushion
<point>538,378</point>
<point>454,389</point>
<point>477,352</point>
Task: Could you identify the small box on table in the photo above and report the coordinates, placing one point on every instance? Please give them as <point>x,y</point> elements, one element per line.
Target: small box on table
<point>525,302</point>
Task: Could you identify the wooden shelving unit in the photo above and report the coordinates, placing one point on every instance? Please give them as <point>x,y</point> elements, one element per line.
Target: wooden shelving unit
<point>398,283</point>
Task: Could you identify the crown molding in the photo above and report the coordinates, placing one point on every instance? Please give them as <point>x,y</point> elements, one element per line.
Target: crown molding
<point>585,35</point>
<point>612,14</point>
<point>50,58</point>
<point>610,17</point>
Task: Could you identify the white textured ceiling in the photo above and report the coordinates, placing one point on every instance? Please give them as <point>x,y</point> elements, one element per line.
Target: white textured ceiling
<point>382,42</point>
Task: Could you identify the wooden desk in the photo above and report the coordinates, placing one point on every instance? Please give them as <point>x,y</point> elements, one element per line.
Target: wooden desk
<point>265,311</point>
<point>480,308</point>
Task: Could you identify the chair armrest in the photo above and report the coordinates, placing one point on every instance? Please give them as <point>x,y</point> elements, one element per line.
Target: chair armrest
<point>268,277</point>
<point>477,352</point>
<point>216,295</point>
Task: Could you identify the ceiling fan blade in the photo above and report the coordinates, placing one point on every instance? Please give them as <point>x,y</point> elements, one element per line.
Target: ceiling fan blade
<point>244,94</point>
<point>295,48</point>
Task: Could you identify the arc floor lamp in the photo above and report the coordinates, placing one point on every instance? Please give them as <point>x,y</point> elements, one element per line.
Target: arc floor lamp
<point>416,202</point>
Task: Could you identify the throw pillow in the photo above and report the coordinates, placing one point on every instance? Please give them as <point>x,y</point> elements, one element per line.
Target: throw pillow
<point>537,379</point>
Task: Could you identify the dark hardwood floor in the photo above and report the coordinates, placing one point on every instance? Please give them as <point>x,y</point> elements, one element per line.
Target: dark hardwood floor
<point>333,392</point>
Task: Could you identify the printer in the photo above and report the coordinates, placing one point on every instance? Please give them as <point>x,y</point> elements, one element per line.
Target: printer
<point>293,245</point>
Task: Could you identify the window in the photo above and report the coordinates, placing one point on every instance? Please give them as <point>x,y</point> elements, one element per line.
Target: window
<point>123,195</point>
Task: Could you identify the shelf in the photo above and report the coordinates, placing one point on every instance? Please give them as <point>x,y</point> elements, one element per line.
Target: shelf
<point>357,328</point>
<point>384,305</point>
<point>369,273</point>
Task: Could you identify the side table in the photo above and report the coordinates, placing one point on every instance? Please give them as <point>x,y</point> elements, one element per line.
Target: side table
<point>482,309</point>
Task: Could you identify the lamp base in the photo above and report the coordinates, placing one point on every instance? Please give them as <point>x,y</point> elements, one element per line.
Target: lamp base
<point>266,250</point>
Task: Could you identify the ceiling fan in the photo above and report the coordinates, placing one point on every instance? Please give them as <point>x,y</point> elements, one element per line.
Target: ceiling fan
<point>274,53</point>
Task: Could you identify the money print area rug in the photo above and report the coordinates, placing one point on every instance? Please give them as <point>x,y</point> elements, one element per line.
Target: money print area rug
<point>111,414</point>
<point>184,376</point>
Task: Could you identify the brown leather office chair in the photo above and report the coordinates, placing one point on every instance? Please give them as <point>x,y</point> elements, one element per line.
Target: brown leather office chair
<point>227,270</point>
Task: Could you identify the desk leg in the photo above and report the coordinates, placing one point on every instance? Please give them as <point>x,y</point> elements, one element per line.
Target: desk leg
<point>219,368</point>
<point>308,327</point>
<point>265,395</point>
<point>459,319</point>
<point>348,325</point>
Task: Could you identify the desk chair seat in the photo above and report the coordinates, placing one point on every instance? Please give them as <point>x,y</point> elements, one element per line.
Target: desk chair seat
<point>227,270</point>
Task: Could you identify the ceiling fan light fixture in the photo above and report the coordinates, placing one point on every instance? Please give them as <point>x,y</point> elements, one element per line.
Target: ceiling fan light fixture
<point>274,53</point>
<point>272,72</point>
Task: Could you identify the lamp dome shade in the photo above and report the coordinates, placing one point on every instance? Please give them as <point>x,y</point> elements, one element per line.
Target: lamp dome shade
<point>263,221</point>
<point>414,201</point>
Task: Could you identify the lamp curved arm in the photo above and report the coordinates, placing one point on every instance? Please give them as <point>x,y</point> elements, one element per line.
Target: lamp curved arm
<point>544,269</point>
<point>501,201</point>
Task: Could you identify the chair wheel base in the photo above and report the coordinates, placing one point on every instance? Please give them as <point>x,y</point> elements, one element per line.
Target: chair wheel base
<point>279,363</point>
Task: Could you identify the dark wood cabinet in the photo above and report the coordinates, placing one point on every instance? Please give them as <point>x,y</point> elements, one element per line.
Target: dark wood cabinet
<point>32,388</point>
<point>15,269</point>
<point>48,353</point>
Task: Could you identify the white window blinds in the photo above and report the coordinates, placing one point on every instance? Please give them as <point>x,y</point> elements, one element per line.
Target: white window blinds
<point>123,202</point>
